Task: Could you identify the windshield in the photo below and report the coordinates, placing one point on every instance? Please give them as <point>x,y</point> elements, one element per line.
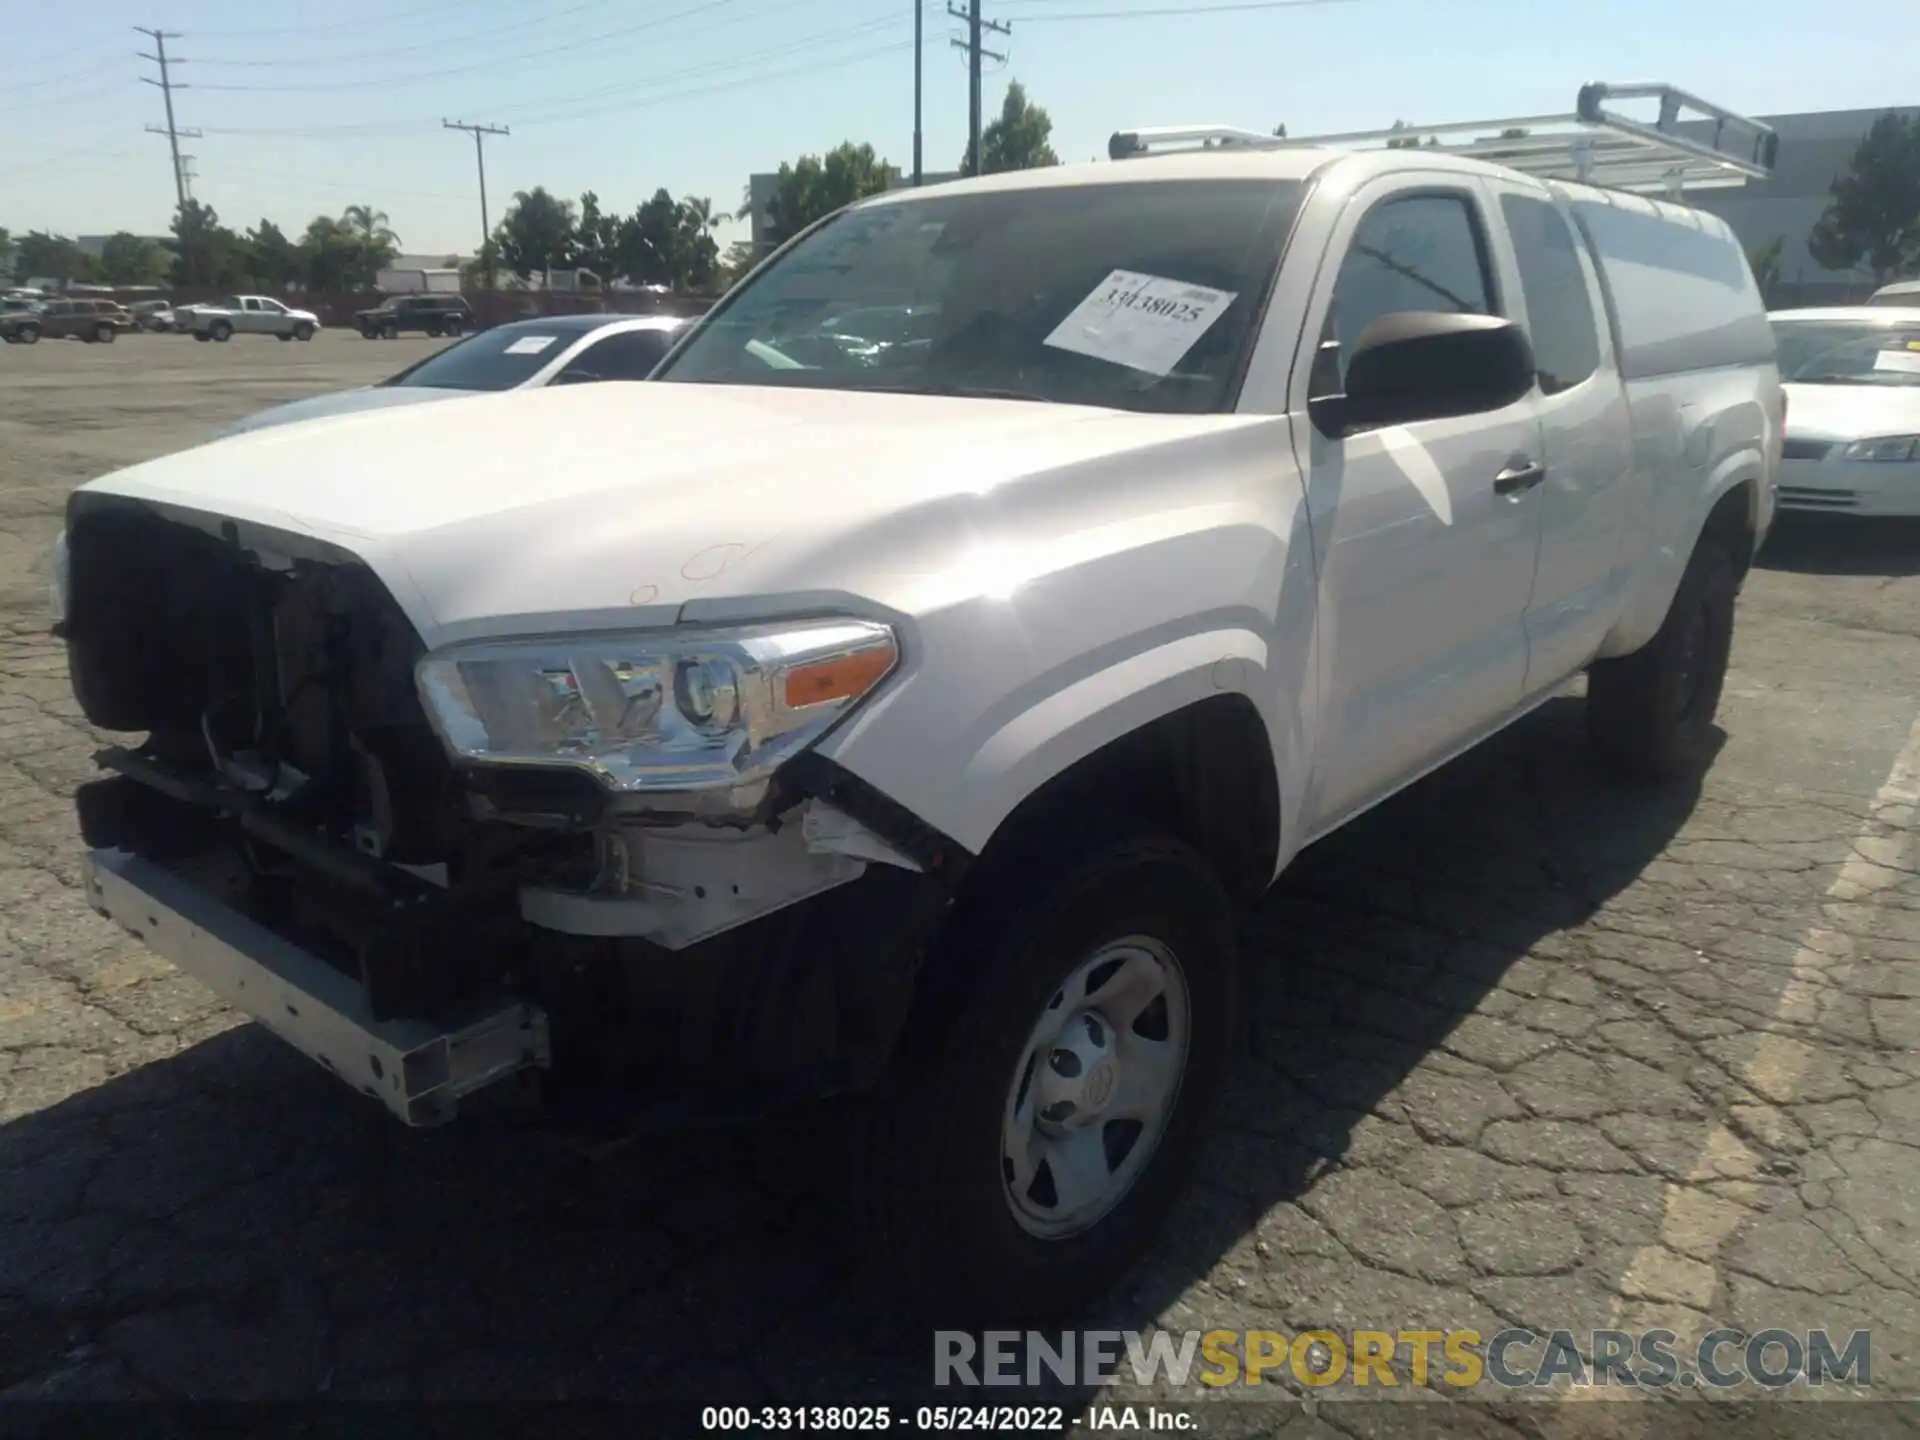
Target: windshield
<point>1139,296</point>
<point>1847,352</point>
<point>496,359</point>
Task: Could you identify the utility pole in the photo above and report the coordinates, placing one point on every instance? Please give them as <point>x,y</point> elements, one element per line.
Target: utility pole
<point>919,20</point>
<point>479,132</point>
<point>974,53</point>
<point>167,86</point>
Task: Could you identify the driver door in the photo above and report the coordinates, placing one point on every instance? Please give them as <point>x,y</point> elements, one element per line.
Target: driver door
<point>1425,534</point>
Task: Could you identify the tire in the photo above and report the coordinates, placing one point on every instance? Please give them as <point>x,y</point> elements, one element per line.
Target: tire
<point>29,334</point>
<point>1650,713</point>
<point>284,336</point>
<point>202,336</point>
<point>433,332</point>
<point>220,330</point>
<point>368,332</point>
<point>962,1236</point>
<point>452,329</point>
<point>303,332</point>
<point>104,334</point>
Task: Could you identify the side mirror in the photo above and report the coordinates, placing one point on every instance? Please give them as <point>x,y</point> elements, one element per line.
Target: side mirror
<point>1428,365</point>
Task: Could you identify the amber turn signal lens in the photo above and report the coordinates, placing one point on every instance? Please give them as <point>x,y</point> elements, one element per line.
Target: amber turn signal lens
<point>845,677</point>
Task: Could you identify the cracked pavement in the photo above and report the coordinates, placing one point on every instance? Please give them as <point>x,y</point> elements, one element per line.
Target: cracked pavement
<point>1523,1049</point>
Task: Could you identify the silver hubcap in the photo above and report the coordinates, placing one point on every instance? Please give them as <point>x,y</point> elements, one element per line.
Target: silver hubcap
<point>1094,1088</point>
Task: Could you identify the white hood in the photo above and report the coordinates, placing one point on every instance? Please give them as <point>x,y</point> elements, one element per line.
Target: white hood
<point>603,505</point>
<point>1852,412</point>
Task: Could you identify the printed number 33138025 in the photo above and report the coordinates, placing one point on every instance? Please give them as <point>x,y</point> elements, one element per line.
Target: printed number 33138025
<point>1144,322</point>
<point>1127,297</point>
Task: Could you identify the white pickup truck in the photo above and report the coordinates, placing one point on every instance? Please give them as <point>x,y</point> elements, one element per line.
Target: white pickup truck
<point>245,315</point>
<point>901,698</point>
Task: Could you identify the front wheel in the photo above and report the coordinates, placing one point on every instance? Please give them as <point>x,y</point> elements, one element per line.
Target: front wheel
<point>104,334</point>
<point>303,331</point>
<point>29,335</point>
<point>202,336</point>
<point>1651,713</point>
<point>453,328</point>
<point>1035,1139</point>
<point>220,330</point>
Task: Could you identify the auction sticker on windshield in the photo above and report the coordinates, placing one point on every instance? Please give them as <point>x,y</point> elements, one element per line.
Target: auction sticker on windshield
<point>1902,360</point>
<point>1145,322</point>
<point>529,345</point>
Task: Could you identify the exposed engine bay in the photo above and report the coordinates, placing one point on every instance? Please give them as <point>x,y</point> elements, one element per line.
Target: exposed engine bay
<point>290,770</point>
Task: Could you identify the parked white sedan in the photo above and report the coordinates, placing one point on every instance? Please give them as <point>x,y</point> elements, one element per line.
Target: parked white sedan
<point>1852,377</point>
<point>522,355</point>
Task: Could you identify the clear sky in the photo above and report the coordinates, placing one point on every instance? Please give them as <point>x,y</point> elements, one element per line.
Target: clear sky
<point>310,107</point>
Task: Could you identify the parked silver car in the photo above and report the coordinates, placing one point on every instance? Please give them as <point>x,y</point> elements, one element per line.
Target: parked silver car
<point>523,355</point>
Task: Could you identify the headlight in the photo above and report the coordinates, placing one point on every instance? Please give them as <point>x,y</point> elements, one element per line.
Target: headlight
<point>655,712</point>
<point>1891,447</point>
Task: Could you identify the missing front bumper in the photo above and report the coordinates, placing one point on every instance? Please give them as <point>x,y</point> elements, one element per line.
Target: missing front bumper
<point>418,1069</point>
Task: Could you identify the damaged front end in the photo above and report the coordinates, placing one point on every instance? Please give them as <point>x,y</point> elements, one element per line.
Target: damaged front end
<point>615,865</point>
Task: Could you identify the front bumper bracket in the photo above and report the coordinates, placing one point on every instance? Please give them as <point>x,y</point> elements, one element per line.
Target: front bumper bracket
<point>418,1069</point>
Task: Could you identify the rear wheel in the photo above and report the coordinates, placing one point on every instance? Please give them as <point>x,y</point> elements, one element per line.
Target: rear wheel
<point>1651,713</point>
<point>1036,1137</point>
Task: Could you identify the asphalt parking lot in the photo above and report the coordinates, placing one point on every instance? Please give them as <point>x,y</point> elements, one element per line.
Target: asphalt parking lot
<point>1525,1049</point>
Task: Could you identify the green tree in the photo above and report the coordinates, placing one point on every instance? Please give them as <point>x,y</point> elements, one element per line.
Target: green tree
<point>273,261</point>
<point>336,257</point>
<point>649,241</point>
<point>1280,131</point>
<point>597,238</point>
<point>7,254</point>
<point>205,252</point>
<point>369,226</point>
<point>50,257</point>
<point>740,257</point>
<point>537,233</point>
<point>128,259</point>
<point>696,252</point>
<point>1018,139</point>
<point>1873,221</point>
<point>817,185</point>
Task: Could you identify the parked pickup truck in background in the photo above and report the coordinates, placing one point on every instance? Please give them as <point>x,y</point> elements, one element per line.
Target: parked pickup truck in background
<point>246,315</point>
<point>910,716</point>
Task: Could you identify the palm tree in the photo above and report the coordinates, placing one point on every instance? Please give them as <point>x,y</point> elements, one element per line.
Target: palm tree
<point>370,226</point>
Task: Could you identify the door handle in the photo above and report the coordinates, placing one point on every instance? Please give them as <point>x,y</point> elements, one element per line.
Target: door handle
<point>1519,477</point>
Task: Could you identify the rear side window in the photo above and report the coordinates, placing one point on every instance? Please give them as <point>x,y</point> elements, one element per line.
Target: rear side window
<point>1420,253</point>
<point>1683,295</point>
<point>1560,322</point>
<point>630,355</point>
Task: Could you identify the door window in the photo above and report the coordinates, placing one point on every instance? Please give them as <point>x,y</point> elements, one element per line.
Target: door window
<point>1417,253</point>
<point>1566,338</point>
<point>630,355</point>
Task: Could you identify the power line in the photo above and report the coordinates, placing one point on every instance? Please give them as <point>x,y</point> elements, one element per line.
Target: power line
<point>360,24</point>
<point>1182,10</point>
<point>543,109</point>
<point>518,58</point>
<point>479,133</point>
<point>449,42</point>
<point>167,87</point>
